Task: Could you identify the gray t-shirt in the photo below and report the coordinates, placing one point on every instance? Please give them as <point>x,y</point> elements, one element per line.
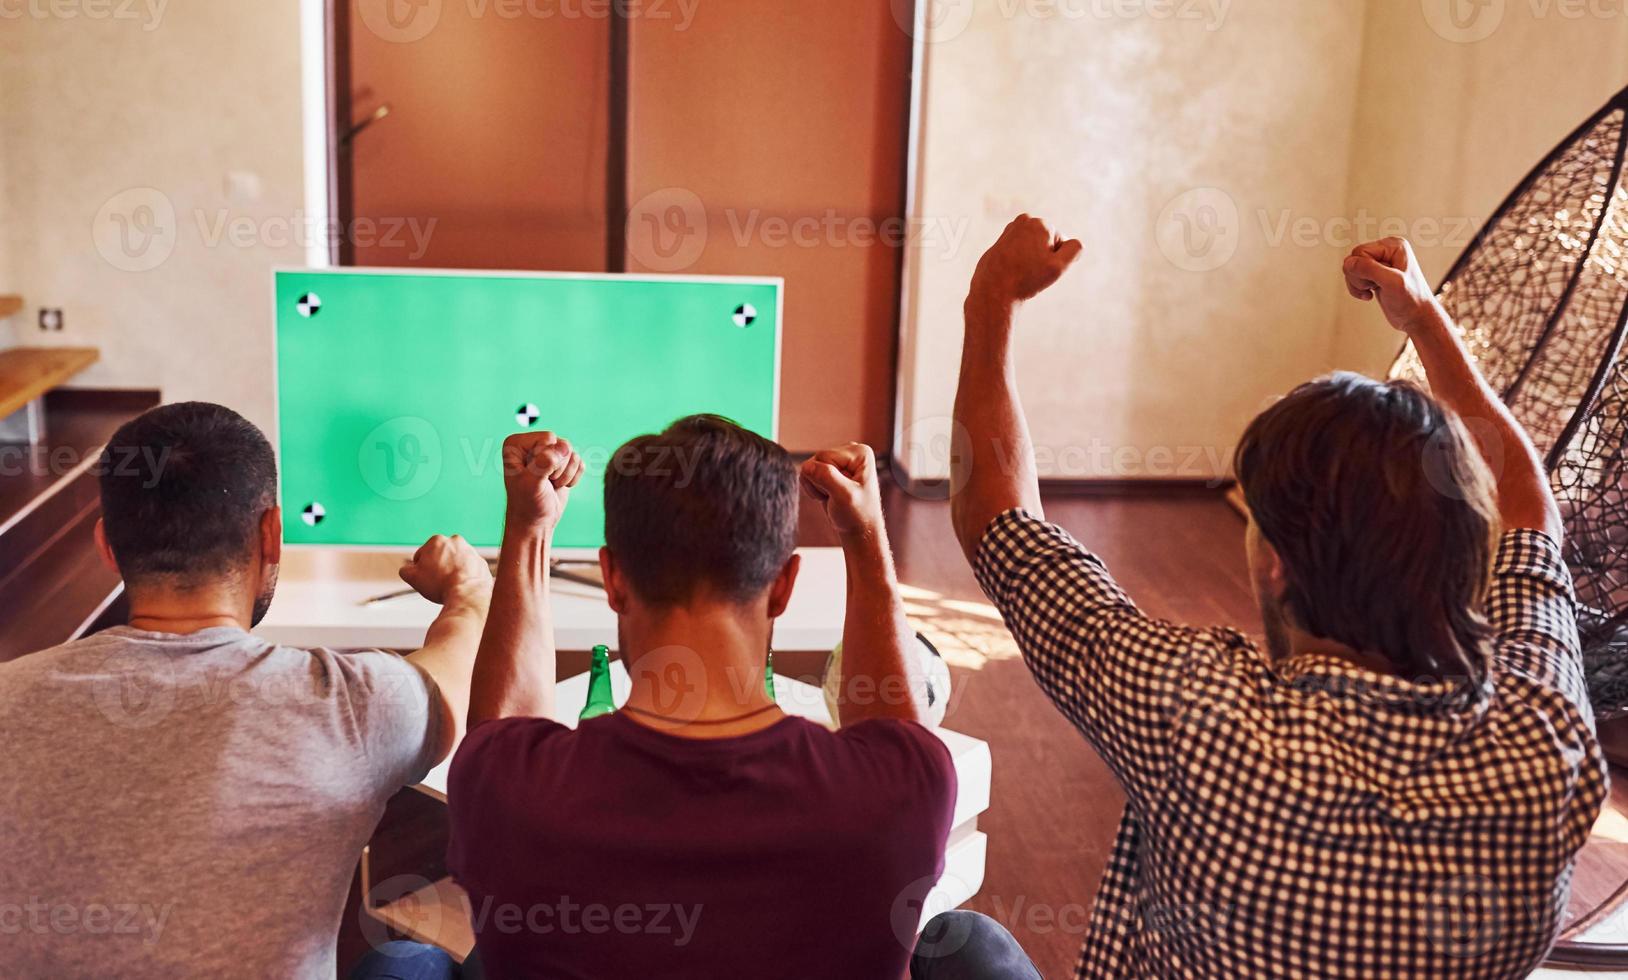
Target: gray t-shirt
<point>194,806</point>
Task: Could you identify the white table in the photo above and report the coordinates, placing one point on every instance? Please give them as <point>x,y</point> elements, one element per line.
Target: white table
<point>322,602</point>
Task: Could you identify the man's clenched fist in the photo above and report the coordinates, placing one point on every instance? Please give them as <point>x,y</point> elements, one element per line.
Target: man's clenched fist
<point>446,567</point>
<point>539,470</point>
<point>844,481</point>
<point>1389,272</point>
<point>1027,259</point>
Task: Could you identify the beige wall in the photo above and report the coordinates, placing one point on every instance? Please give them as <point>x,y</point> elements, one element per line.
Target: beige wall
<point>1322,124</point>
<point>1451,120</point>
<point>1118,127</point>
<point>194,106</point>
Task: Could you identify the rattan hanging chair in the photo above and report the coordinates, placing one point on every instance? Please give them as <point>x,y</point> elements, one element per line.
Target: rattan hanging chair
<point>1541,296</point>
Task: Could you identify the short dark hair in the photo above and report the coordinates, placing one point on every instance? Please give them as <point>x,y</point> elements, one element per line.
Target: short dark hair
<point>703,505</point>
<point>183,490</point>
<point>1382,510</point>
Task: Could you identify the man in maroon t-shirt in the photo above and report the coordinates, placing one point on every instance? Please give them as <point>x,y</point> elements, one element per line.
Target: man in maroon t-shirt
<point>698,831</point>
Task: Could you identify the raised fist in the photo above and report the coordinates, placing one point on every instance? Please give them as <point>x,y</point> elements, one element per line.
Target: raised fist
<point>1023,262</point>
<point>1389,272</point>
<point>539,470</point>
<point>845,483</point>
<point>445,566</point>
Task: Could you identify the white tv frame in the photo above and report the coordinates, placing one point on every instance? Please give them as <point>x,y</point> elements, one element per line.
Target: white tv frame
<point>564,555</point>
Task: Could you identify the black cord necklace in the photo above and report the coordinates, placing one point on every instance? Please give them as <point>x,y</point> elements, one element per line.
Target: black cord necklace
<point>711,721</point>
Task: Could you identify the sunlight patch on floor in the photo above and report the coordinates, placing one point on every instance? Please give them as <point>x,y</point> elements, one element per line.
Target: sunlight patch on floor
<point>981,609</point>
<point>917,592</point>
<point>968,634</point>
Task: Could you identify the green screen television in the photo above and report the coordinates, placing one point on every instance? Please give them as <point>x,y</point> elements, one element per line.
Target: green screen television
<point>396,388</point>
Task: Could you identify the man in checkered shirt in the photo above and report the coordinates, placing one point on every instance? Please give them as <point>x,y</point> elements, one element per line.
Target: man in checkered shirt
<point>1397,786</point>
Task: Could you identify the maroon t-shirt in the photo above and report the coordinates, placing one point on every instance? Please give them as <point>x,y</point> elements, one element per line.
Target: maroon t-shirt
<point>618,851</point>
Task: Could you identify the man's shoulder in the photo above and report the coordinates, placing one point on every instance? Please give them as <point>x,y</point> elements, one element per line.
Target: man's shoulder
<point>505,742</point>
<point>130,645</point>
<point>512,729</point>
<point>886,748</point>
<point>882,731</point>
<point>218,664</point>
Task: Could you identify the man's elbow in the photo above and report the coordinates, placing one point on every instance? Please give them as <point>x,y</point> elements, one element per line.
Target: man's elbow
<point>969,523</point>
<point>1534,514</point>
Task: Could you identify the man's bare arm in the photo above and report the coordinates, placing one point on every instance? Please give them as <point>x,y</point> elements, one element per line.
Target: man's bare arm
<point>992,460</point>
<point>1388,271</point>
<point>880,679</point>
<point>515,669</point>
<point>448,571</point>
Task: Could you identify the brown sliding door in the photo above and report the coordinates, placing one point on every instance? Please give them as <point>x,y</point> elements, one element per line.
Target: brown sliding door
<point>786,121</point>
<point>496,130</point>
<point>722,137</point>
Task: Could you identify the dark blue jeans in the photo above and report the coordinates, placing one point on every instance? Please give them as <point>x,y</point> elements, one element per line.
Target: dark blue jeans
<point>961,945</point>
<point>956,945</point>
<point>403,960</point>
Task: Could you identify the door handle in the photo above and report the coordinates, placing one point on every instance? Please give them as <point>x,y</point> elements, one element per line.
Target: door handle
<point>376,115</point>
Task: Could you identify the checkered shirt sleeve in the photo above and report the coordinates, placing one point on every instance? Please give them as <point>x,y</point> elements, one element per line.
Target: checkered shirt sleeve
<point>1532,607</point>
<point>1117,674</point>
<point>1533,612</point>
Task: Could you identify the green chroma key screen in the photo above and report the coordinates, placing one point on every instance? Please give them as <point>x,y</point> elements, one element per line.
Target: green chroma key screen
<point>396,390</point>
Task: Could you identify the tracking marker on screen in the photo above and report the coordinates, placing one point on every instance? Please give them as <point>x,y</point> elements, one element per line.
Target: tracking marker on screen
<point>313,514</point>
<point>527,415</point>
<point>309,305</point>
<point>745,315</point>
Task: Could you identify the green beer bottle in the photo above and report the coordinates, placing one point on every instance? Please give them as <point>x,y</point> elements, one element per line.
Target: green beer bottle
<point>768,677</point>
<point>600,701</point>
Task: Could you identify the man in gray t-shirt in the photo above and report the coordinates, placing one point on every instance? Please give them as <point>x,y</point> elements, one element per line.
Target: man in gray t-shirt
<point>183,799</point>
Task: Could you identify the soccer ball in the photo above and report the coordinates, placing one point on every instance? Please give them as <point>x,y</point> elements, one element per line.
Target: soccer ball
<point>928,663</point>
